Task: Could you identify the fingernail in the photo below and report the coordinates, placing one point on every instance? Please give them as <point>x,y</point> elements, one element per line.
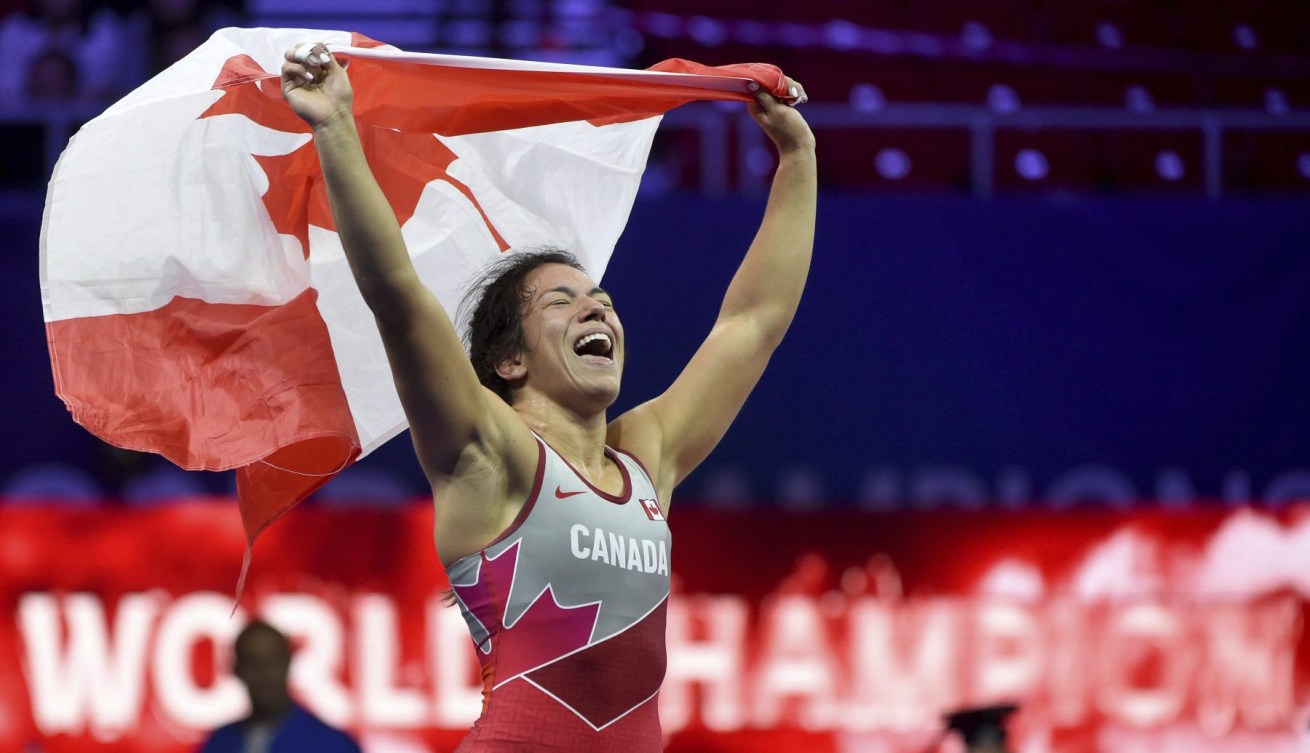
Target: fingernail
<point>324,57</point>
<point>753,86</point>
<point>792,91</point>
<point>309,76</point>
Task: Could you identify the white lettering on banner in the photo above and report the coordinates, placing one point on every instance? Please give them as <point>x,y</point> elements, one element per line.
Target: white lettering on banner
<point>456,674</point>
<point>707,642</point>
<point>1068,667</point>
<point>315,628</point>
<point>192,619</point>
<point>859,663</point>
<point>382,702</point>
<point>1144,635</point>
<point>797,662</point>
<point>1248,670</point>
<point>903,659</point>
<point>88,680</point>
<point>1009,646</point>
<point>638,555</point>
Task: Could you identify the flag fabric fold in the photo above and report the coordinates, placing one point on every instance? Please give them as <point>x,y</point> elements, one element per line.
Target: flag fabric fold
<point>198,303</point>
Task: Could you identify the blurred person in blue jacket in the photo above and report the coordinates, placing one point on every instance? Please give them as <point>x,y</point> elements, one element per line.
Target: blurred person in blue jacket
<point>277,724</point>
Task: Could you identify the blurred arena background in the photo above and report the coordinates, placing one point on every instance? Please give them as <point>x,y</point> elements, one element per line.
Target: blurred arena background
<point>1040,433</point>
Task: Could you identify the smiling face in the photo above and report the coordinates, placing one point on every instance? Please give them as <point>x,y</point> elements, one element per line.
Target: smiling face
<point>573,339</point>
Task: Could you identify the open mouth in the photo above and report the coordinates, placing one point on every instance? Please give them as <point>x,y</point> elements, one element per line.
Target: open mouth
<point>597,345</point>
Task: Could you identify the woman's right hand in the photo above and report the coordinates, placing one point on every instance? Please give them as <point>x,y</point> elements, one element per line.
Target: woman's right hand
<point>317,89</point>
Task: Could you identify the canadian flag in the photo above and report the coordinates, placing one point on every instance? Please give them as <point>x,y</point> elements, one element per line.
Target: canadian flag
<point>197,301</point>
<point>652,508</point>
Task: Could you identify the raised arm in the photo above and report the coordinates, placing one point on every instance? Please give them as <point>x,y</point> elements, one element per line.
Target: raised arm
<point>448,410</point>
<point>679,428</point>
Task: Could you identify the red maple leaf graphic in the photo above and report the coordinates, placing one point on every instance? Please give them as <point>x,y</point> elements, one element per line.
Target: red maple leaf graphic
<point>544,632</point>
<point>403,163</point>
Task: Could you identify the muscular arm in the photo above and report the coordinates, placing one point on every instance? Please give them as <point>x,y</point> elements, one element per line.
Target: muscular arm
<point>681,426</point>
<point>449,412</point>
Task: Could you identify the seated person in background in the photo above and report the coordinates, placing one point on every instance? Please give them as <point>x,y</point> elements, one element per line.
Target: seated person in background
<point>92,40</point>
<point>276,723</point>
<point>52,76</point>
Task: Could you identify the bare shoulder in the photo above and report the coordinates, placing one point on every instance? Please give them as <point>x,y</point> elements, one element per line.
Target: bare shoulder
<point>488,485</point>
<point>499,448</point>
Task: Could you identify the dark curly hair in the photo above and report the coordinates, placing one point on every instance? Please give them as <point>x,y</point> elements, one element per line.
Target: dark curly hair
<point>493,310</point>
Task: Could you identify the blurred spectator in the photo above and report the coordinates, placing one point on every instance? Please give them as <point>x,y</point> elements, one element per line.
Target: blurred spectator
<point>983,729</point>
<point>176,27</point>
<point>276,724</point>
<point>359,486</point>
<point>52,482</point>
<point>52,75</point>
<point>74,49</point>
<point>163,483</point>
<point>143,478</point>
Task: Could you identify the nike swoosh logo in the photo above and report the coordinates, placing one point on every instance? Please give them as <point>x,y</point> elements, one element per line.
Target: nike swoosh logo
<point>561,494</point>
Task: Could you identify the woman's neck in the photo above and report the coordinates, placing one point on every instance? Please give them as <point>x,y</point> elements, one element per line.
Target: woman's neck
<point>579,438</point>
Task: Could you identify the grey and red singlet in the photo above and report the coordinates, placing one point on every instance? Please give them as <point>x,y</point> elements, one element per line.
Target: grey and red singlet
<point>566,609</point>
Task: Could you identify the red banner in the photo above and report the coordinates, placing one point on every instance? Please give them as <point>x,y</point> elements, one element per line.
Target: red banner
<point>825,632</point>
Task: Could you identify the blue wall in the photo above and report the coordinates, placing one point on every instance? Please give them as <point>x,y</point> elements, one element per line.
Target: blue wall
<point>947,349</point>
<point>1020,337</point>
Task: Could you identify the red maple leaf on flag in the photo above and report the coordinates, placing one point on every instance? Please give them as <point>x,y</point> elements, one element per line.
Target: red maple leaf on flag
<point>404,163</point>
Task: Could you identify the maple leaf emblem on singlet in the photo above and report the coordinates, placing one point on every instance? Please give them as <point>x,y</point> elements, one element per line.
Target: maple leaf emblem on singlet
<point>550,645</point>
<point>557,630</point>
